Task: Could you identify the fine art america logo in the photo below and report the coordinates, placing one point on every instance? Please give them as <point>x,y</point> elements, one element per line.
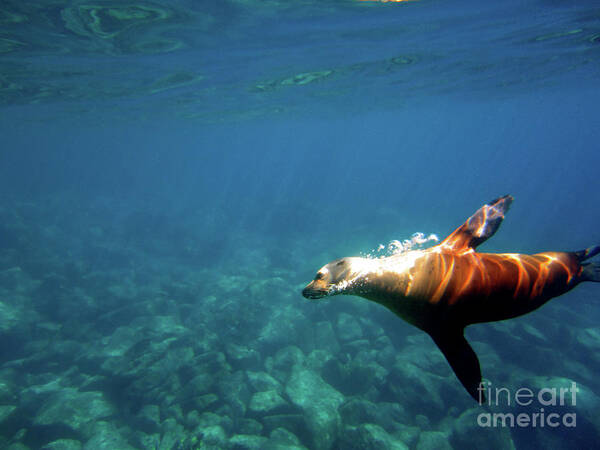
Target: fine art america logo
<point>547,407</point>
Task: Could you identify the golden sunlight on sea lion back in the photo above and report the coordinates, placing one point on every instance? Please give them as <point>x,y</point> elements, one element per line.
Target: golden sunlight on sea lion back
<point>445,288</point>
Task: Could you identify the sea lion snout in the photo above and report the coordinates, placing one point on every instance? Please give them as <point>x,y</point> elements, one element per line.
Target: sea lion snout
<point>320,286</point>
<point>315,289</point>
<point>329,279</point>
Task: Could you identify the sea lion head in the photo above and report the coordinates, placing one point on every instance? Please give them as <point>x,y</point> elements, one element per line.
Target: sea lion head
<point>333,278</point>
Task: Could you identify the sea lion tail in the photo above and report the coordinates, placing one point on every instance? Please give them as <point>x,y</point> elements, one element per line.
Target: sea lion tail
<point>591,271</point>
<point>588,253</point>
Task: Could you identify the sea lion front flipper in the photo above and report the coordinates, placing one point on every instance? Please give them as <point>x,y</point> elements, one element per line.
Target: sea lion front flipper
<point>462,359</point>
<point>480,226</point>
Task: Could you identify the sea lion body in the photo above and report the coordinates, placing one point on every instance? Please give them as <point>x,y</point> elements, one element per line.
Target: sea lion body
<point>471,287</point>
<point>443,289</point>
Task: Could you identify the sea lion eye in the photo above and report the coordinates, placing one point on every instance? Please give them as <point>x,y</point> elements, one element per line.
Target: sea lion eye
<point>319,276</point>
<point>340,263</point>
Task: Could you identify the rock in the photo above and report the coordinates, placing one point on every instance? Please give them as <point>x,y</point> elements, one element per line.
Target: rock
<point>172,434</point>
<point>235,393</point>
<point>422,422</point>
<point>262,381</point>
<point>283,436</point>
<point>162,325</point>
<point>249,426</point>
<point>32,396</point>
<point>466,433</point>
<point>7,388</point>
<point>172,410</point>
<point>153,362</point>
<point>589,338</point>
<point>348,328</point>
<point>378,374</point>
<point>143,440</point>
<point>369,436</point>
<point>288,357</point>
<point>209,362</point>
<point>17,446</point>
<point>178,357</point>
<point>392,416</point>
<point>276,445</point>
<point>532,334</point>
<point>208,419</point>
<point>423,353</point>
<point>213,435</point>
<point>20,435</point>
<point>386,356</point>
<point>280,328</point>
<point>433,440</point>
<point>353,378</point>
<point>356,346</point>
<point>202,383</point>
<point>122,339</point>
<point>293,422</point>
<point>192,419</point>
<point>242,357</point>
<point>73,409</point>
<point>106,437</point>
<point>317,359</point>
<point>370,329</point>
<point>578,400</point>
<point>319,402</point>
<point>410,384</point>
<point>325,337</point>
<point>63,444</point>
<point>6,411</point>
<point>17,281</point>
<point>267,403</point>
<point>408,434</point>
<point>203,402</point>
<point>149,417</point>
<point>10,317</point>
<point>357,411</point>
<point>247,442</point>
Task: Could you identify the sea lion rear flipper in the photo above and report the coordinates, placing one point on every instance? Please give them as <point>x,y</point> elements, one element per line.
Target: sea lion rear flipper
<point>480,226</point>
<point>462,359</point>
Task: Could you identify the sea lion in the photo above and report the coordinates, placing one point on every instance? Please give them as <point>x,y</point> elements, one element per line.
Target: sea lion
<point>445,288</point>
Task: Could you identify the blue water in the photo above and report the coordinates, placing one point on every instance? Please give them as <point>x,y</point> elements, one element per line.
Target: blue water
<point>173,173</point>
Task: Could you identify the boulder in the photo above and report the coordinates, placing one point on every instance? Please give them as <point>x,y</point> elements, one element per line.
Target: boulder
<point>242,357</point>
<point>74,409</point>
<point>325,337</point>
<point>283,436</point>
<point>319,403</point>
<point>247,442</point>
<point>105,436</point>
<point>235,393</point>
<point>249,426</point>
<point>262,381</point>
<point>213,436</point>
<point>348,328</point>
<point>433,440</point>
<point>149,418</point>
<point>466,433</point>
<point>63,444</point>
<point>367,436</point>
<point>6,411</point>
<point>268,403</point>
